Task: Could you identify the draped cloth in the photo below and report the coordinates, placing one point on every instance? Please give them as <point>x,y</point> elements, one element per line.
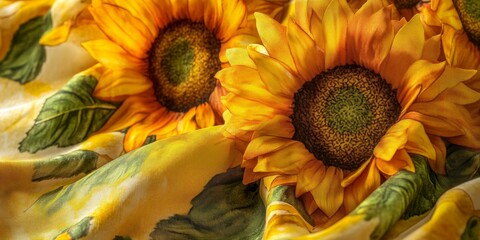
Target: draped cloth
<point>61,178</point>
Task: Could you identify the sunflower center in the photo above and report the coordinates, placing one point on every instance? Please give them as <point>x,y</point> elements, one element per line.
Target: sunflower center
<point>341,114</point>
<point>182,63</point>
<point>469,12</point>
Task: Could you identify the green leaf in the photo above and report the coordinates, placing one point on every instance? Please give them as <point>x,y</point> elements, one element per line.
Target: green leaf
<point>68,117</point>
<point>225,209</point>
<point>26,56</point>
<point>472,230</point>
<point>64,166</point>
<point>124,167</point>
<point>403,192</point>
<point>78,230</point>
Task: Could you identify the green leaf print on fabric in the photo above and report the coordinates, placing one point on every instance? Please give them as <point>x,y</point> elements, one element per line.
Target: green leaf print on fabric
<point>225,209</point>
<point>116,171</point>
<point>286,194</point>
<point>68,117</point>
<point>26,56</point>
<point>472,230</point>
<point>78,230</point>
<point>65,166</point>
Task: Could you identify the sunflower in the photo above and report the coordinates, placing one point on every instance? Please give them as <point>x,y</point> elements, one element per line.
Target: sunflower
<point>335,101</point>
<point>160,59</point>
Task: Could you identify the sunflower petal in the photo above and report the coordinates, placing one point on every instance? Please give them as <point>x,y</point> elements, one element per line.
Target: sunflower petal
<point>309,177</point>
<point>277,79</point>
<point>274,37</point>
<point>366,183</point>
<point>288,160</point>
<point>239,57</point>
<point>205,116</point>
<point>240,40</point>
<point>308,58</point>
<point>329,193</point>
<point>450,77</point>
<point>213,14</point>
<point>278,126</point>
<point>401,160</point>
<point>112,55</point>
<point>335,21</point>
<point>117,85</point>
<point>264,145</point>
<point>234,17</point>
<point>374,42</point>
<point>408,46</point>
<point>187,123</point>
<point>123,28</point>
<point>133,110</point>
<point>137,133</point>
<point>145,11</point>
<point>405,134</point>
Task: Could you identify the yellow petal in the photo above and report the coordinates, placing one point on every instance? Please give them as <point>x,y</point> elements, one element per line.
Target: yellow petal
<point>204,116</point>
<point>246,82</point>
<point>352,176</point>
<point>447,13</point>
<point>406,134</point>
<point>265,144</point>
<point>133,110</point>
<point>123,28</point>
<point>278,126</point>
<point>187,123</point>
<point>234,17</point>
<point>117,85</point>
<point>112,55</point>
<point>239,40</point>
<point>277,79</point>
<point>401,160</point>
<point>366,183</point>
<point>308,58</point>
<point>288,160</point>
<point>450,77</point>
<point>138,133</point>
<point>329,193</point>
<point>335,20</point>
<point>460,126</point>
<point>370,45</point>
<point>146,11</point>
<point>274,37</point>
<point>458,49</point>
<point>438,164</point>
<point>243,107</point>
<point>213,14</point>
<point>239,56</point>
<point>57,35</point>
<point>407,47</point>
<point>196,10</point>
<point>309,177</point>
<point>416,80</point>
<point>432,49</point>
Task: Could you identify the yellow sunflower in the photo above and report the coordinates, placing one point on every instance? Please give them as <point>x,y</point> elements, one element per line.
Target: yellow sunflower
<point>161,58</point>
<point>336,100</point>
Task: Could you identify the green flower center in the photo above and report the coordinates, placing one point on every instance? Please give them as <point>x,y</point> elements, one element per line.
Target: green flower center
<point>182,63</point>
<point>469,12</point>
<point>341,114</point>
<point>405,4</point>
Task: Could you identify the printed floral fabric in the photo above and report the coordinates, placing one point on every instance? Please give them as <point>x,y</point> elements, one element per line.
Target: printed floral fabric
<point>185,119</point>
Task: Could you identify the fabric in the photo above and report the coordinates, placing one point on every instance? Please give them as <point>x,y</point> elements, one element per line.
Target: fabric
<point>83,155</point>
